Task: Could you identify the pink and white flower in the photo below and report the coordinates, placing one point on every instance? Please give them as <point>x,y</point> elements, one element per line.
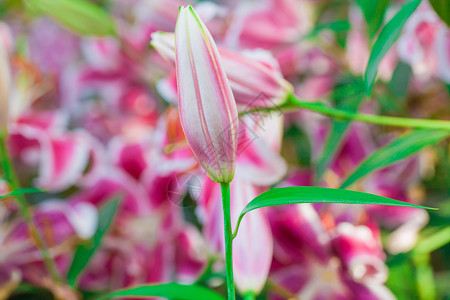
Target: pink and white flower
<point>208,111</point>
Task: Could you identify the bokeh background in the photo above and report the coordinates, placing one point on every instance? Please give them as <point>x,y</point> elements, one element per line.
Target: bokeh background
<point>93,122</point>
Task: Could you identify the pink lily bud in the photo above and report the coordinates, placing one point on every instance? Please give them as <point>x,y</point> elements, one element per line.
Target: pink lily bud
<point>254,76</point>
<point>208,110</point>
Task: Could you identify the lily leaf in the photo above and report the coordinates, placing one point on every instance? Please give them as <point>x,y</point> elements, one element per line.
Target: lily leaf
<point>86,251</point>
<point>167,290</point>
<point>21,192</point>
<point>81,16</point>
<point>312,194</point>
<point>442,9</point>
<point>398,149</point>
<point>388,36</point>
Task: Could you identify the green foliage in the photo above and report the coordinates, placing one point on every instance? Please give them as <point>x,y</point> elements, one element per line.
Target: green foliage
<point>399,149</point>
<point>86,251</point>
<point>20,192</point>
<point>401,277</point>
<point>442,8</point>
<point>296,146</point>
<point>312,194</point>
<point>373,11</point>
<point>168,290</point>
<point>336,26</point>
<point>400,79</point>
<point>80,16</point>
<point>388,36</point>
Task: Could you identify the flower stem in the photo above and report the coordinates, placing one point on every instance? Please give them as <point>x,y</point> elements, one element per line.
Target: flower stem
<point>249,296</point>
<point>25,210</point>
<point>294,102</point>
<point>228,239</point>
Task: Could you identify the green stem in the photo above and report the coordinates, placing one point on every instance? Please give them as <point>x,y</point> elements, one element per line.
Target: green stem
<point>433,242</point>
<point>424,277</point>
<point>294,102</point>
<point>25,210</point>
<point>249,296</point>
<point>228,239</point>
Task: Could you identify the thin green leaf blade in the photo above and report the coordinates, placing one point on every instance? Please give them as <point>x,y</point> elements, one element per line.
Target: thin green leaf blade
<point>373,11</point>
<point>80,16</point>
<point>312,194</point>
<point>398,149</point>
<point>21,192</point>
<point>167,290</point>
<point>388,36</point>
<point>85,252</point>
<point>442,9</point>
<point>336,26</point>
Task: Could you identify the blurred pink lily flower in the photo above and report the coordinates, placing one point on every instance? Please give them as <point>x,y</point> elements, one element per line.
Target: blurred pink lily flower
<point>397,181</point>
<point>38,138</point>
<point>149,240</point>
<point>5,82</point>
<point>423,44</point>
<point>52,46</point>
<point>254,75</point>
<point>315,260</point>
<point>149,237</point>
<point>62,223</point>
<point>268,24</point>
<point>208,111</point>
<point>443,53</point>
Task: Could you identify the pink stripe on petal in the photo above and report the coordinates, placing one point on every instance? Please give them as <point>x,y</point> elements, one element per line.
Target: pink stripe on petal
<point>208,112</point>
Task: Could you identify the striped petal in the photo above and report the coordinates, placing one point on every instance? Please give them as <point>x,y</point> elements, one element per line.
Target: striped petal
<point>208,111</point>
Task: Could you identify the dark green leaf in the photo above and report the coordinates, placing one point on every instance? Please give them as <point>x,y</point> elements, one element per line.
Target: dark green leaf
<point>81,16</point>
<point>312,194</point>
<point>336,26</point>
<point>21,192</point>
<point>296,146</point>
<point>400,148</point>
<point>388,36</point>
<point>442,8</point>
<point>86,251</point>
<point>167,290</point>
<point>373,11</point>
<point>400,79</point>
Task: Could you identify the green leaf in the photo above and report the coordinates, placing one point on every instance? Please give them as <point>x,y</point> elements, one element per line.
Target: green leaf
<point>352,96</point>
<point>312,194</point>
<point>388,36</point>
<point>400,148</point>
<point>21,192</point>
<point>400,79</point>
<point>80,16</point>
<point>86,251</point>
<point>401,277</point>
<point>167,290</point>
<point>373,11</point>
<point>442,9</point>
<point>336,26</point>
